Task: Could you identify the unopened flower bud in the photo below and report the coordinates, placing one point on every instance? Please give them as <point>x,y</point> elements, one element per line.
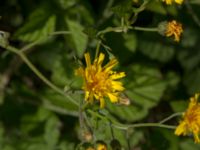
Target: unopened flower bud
<point>124,101</point>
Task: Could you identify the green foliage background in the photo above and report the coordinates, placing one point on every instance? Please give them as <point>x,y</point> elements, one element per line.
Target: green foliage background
<point>161,74</point>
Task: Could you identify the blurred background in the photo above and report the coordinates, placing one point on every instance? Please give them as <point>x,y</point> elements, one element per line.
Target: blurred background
<point>161,74</point>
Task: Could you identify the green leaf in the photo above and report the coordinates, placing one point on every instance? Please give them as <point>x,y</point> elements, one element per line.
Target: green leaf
<point>52,132</point>
<point>144,91</point>
<point>157,50</point>
<point>66,145</point>
<point>166,139</point>
<point>66,3</point>
<point>189,59</point>
<point>123,8</point>
<point>130,42</point>
<point>147,86</point>
<point>79,39</point>
<point>91,32</point>
<point>188,144</point>
<point>58,103</point>
<point>105,132</point>
<point>9,147</point>
<point>190,38</point>
<point>39,26</point>
<point>172,79</point>
<point>157,7</point>
<point>126,112</point>
<point>179,105</point>
<point>36,146</point>
<point>192,81</point>
<point>48,55</point>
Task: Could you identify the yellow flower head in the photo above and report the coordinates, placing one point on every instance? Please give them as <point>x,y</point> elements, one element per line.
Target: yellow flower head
<point>169,2</point>
<point>101,146</point>
<point>99,81</point>
<point>174,28</point>
<point>90,148</point>
<point>191,120</point>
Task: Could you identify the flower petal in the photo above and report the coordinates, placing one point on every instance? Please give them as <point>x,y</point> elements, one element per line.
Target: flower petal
<point>113,98</point>
<point>110,64</point>
<point>102,103</point>
<point>87,59</point>
<point>118,75</point>
<point>117,85</point>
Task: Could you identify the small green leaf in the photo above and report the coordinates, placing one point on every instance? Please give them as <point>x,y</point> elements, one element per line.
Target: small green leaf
<point>123,8</point>
<point>39,26</point>
<point>78,37</point>
<point>179,105</point>
<point>157,50</point>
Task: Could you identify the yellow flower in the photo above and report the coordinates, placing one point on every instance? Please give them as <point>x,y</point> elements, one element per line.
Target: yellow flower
<point>100,81</point>
<point>169,2</point>
<point>191,120</point>
<point>101,146</point>
<point>174,28</point>
<point>90,148</point>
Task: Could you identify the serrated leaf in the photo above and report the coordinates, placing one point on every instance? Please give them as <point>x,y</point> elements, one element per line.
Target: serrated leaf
<point>156,50</point>
<point>147,85</point>
<point>129,113</point>
<point>39,26</point>
<point>144,91</point>
<point>78,37</point>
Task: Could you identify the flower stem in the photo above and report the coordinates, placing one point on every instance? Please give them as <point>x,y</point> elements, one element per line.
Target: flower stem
<point>139,125</point>
<point>39,74</point>
<point>145,29</point>
<point>170,117</point>
<point>128,126</point>
<point>110,29</point>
